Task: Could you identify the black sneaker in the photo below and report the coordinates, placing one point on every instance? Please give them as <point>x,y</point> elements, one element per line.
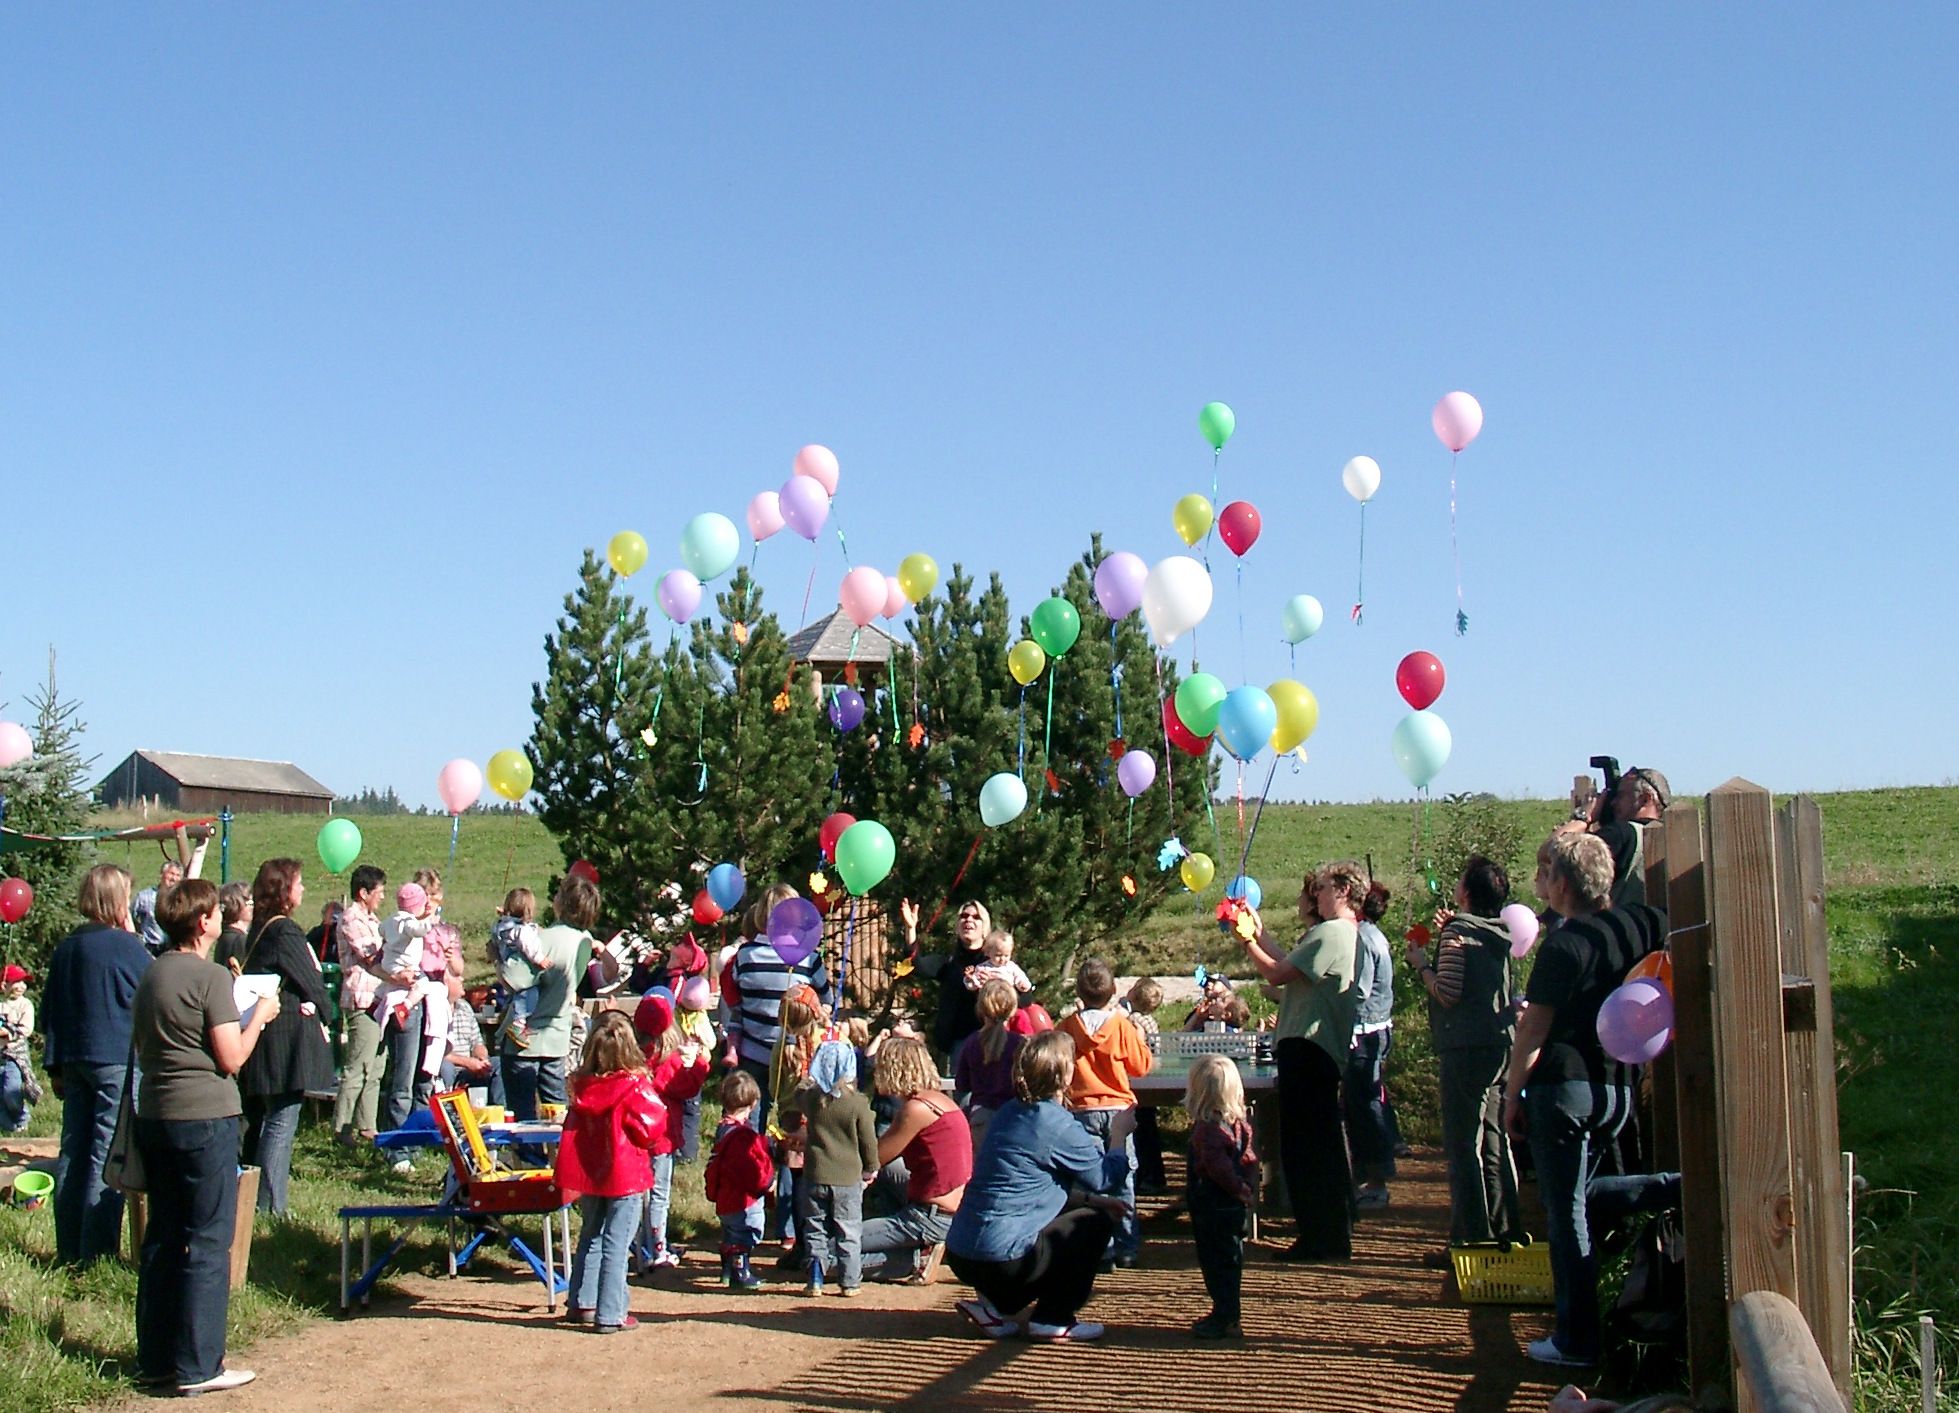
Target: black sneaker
<point>1211,1327</point>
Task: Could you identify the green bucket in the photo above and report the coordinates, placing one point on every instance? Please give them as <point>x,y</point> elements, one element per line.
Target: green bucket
<point>32,1188</point>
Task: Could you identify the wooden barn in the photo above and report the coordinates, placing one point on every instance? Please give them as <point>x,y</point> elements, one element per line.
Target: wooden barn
<point>206,784</point>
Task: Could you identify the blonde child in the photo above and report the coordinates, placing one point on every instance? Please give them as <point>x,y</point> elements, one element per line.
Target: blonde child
<point>614,1120</point>
<point>1109,1052</point>
<point>983,1075</point>
<point>840,1158</point>
<point>999,964</point>
<point>679,1067</point>
<point>739,1174</point>
<point>18,1090</point>
<point>515,935</point>
<point>1223,1172</point>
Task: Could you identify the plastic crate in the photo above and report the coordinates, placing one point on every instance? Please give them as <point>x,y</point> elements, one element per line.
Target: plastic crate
<point>1488,1275</point>
<point>1234,1044</point>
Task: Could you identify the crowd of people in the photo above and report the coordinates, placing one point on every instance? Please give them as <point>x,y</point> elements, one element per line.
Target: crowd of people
<point>176,1060</point>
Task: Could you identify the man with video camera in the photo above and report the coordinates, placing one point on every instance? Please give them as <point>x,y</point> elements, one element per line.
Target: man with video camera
<point>1619,814</point>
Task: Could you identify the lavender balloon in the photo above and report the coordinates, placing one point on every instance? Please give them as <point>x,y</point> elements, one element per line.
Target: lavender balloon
<point>795,928</point>
<point>1636,1022</point>
<point>1119,583</point>
<point>679,595</point>
<point>846,707</point>
<point>804,504</point>
<point>1136,772</point>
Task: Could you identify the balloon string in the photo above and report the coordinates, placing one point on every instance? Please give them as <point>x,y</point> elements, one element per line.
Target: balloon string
<point>455,829</point>
<point>619,657</point>
<point>1455,553</point>
<point>1129,829</point>
<point>809,588</point>
<point>1243,669</point>
<point>1020,759</point>
<point>1428,862</point>
<point>891,696</point>
<point>1216,453</point>
<point>1241,810</point>
<point>1257,815</point>
<point>1047,736</point>
<point>1360,574</point>
<point>1115,678</point>
<point>842,543</point>
<point>1169,773</point>
<point>1211,813</point>
<point>843,965</point>
<point>953,887</point>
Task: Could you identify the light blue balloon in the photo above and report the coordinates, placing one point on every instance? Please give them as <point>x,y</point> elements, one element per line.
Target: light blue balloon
<point>1002,798</point>
<point>1421,746</point>
<point>725,885</point>
<point>1246,887</point>
<point>1245,721</point>
<point>709,545</point>
<point>1302,617</point>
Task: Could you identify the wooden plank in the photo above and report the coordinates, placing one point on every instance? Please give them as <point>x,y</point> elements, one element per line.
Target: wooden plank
<point>1662,1149</point>
<point>1697,1107</point>
<point>1747,953</point>
<point>1816,1160</point>
<point>1780,1363</point>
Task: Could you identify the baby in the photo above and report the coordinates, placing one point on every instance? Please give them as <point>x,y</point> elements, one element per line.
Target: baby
<point>513,936</point>
<point>999,964</point>
<point>408,939</point>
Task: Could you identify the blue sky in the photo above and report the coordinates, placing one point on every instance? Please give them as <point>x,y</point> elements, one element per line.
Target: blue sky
<point>329,336</point>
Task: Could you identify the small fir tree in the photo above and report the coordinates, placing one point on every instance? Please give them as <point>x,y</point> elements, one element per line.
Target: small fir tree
<point>48,793</point>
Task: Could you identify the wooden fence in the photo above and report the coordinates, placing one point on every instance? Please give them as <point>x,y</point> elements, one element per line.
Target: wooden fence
<point>1745,1100</point>
<point>864,977</point>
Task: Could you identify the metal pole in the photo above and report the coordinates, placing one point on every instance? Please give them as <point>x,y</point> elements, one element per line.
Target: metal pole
<point>224,845</point>
<point>1928,1364</point>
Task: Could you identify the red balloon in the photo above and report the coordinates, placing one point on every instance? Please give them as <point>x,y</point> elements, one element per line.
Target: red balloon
<point>832,830</point>
<point>1238,526</point>
<point>1419,679</point>
<point>15,899</point>
<point>1180,734</point>
<point>707,912</point>
<point>583,869</point>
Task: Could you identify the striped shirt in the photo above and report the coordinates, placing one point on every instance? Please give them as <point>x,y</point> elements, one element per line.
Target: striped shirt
<point>763,979</point>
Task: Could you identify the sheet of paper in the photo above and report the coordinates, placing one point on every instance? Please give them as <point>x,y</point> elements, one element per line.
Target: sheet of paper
<point>247,989</point>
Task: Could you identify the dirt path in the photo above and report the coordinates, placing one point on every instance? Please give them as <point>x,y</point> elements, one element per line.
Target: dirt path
<point>1382,1333</point>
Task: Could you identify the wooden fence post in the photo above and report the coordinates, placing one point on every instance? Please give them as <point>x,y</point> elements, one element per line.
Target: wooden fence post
<point>1747,956</point>
<point>1663,1141</point>
<point>1697,1106</point>
<point>1816,1162</point>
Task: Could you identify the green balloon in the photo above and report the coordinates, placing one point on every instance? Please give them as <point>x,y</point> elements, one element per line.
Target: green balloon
<point>339,844</point>
<point>1198,698</point>
<point>1055,626</point>
<point>865,853</point>
<point>1217,424</point>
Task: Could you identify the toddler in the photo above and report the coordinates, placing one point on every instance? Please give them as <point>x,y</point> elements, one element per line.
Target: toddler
<point>1141,1005</point>
<point>614,1119</point>
<point>739,1174</point>
<point>999,964</point>
<point>1223,1185</point>
<point>679,1067</point>
<point>1108,1052</point>
<point>18,1090</point>
<point>514,935</point>
<point>983,1075</point>
<point>840,1157</point>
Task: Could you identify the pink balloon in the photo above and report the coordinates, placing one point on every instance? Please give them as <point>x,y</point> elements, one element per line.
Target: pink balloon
<point>679,594</point>
<point>1521,923</point>
<point>895,601</point>
<point>15,744</point>
<point>764,515</point>
<point>805,505</point>
<point>1119,583</point>
<point>818,463</point>
<point>460,785</point>
<point>1636,1022</point>
<point>862,595</point>
<point>1457,419</point>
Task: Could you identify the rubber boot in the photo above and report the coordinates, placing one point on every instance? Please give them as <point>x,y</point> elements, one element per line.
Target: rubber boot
<point>814,1286</point>
<point>745,1277</point>
<point>729,1268</point>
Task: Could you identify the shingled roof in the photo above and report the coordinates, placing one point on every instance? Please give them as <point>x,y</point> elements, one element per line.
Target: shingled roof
<point>828,640</point>
<point>270,777</point>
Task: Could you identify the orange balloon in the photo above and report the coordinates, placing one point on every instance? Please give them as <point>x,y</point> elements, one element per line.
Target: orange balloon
<point>1654,966</point>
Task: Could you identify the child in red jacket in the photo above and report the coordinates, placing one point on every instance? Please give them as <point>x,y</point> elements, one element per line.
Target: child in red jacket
<point>679,1068</point>
<point>614,1119</point>
<point>738,1174</point>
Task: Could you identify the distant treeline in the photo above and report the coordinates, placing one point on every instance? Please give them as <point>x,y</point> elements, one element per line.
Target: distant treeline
<point>386,801</point>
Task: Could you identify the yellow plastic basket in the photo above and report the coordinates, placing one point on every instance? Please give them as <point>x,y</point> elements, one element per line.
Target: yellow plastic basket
<point>1486,1275</point>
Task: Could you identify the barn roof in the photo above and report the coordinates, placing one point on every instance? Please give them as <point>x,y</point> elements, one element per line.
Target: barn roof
<point>267,777</point>
<point>829,640</point>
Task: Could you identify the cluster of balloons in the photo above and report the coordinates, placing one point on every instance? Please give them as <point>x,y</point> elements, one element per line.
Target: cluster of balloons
<point>722,894</point>
<point>1421,740</point>
<point>1237,524</point>
<point>1636,1021</point>
<point>1244,720</point>
<point>16,897</point>
<point>15,744</point>
<point>1052,629</point>
<point>862,849</point>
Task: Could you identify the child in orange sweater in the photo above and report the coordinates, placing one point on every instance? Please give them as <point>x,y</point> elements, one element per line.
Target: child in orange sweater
<point>1109,1052</point>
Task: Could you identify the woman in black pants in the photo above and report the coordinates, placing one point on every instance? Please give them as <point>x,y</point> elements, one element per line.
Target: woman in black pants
<point>1317,1004</point>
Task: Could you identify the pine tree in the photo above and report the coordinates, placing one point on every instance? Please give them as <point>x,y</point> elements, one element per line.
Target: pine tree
<point>48,793</point>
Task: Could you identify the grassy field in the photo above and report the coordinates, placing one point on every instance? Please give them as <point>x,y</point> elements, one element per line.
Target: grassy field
<point>1892,861</point>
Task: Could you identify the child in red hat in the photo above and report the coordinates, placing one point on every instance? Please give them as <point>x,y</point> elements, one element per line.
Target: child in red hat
<point>679,1068</point>
<point>18,1090</point>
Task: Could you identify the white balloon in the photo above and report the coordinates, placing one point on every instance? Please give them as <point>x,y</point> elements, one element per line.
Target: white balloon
<point>1176,597</point>
<point>1361,477</point>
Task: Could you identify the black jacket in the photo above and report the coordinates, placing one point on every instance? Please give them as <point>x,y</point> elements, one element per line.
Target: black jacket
<point>292,1055</point>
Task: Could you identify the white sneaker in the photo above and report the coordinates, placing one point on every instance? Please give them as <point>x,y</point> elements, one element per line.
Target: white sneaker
<point>1078,1333</point>
<point>402,1165</point>
<point>1546,1351</point>
<point>991,1322</point>
<point>217,1383</point>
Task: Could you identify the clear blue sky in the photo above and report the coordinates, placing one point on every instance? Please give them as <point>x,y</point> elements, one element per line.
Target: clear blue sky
<point>329,336</point>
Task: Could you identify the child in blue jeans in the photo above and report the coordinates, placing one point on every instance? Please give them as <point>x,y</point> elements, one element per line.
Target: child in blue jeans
<point>739,1173</point>
<point>613,1122</point>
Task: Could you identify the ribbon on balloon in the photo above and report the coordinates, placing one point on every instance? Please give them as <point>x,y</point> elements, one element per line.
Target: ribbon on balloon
<point>1457,420</point>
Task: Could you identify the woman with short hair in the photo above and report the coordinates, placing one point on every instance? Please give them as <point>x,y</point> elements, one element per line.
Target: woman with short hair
<point>534,1064</point>
<point>295,1058</point>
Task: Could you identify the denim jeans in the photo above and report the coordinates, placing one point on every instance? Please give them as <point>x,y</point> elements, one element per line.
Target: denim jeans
<point>690,1129</point>
<point>1569,1126</point>
<point>891,1244</point>
<point>87,1214</point>
<point>529,1083</point>
<point>183,1284</point>
<point>831,1219</point>
<point>358,1098</point>
<point>606,1227</point>
<point>1370,1125</point>
<point>274,1126</point>
<point>407,1085</point>
<point>14,1112</point>
<point>658,1201</point>
<point>1482,1174</point>
<point>1128,1237</point>
<point>741,1231</point>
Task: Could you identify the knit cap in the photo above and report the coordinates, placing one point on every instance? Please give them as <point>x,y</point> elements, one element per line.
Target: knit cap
<point>411,898</point>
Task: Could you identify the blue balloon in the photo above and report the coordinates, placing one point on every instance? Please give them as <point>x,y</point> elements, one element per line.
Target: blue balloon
<point>1246,887</point>
<point>1246,720</point>
<point>1421,745</point>
<point>725,885</point>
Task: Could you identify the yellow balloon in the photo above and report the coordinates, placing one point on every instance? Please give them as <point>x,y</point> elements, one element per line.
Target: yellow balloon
<point>509,774</point>
<point>1025,660</point>
<point>917,574</point>
<point>1299,713</point>
<point>627,553</point>
<point>1197,871</point>
<point>1192,517</point>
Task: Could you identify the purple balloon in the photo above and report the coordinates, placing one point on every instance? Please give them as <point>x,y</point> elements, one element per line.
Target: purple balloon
<point>795,927</point>
<point>846,706</point>
<point>679,595</point>
<point>1136,771</point>
<point>805,505</point>
<point>1636,1021</point>
<point>1119,583</point>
